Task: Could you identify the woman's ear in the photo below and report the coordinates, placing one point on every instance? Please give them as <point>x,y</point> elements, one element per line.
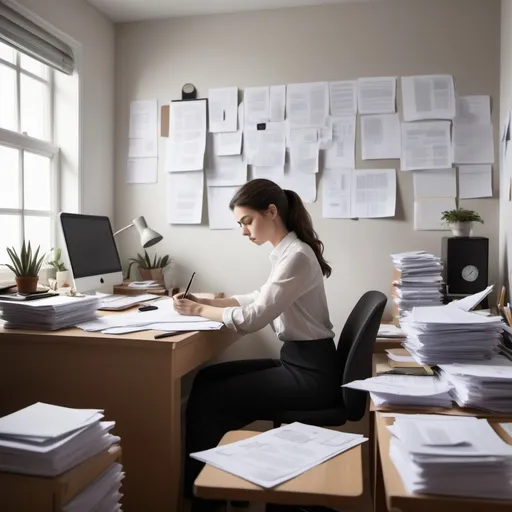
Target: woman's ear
<point>272,211</point>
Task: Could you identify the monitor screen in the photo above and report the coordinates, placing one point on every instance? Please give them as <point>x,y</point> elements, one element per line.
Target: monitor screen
<point>90,243</point>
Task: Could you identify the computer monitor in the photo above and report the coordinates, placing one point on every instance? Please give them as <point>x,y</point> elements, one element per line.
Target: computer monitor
<point>92,252</point>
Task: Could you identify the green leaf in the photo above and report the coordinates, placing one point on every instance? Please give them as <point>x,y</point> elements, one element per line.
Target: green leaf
<point>12,269</point>
<point>165,259</point>
<point>23,259</point>
<point>148,261</point>
<point>15,260</point>
<point>154,262</point>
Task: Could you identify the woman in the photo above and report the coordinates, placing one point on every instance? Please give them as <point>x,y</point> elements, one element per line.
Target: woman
<point>231,395</point>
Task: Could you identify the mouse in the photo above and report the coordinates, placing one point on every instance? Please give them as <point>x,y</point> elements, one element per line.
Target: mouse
<point>147,308</point>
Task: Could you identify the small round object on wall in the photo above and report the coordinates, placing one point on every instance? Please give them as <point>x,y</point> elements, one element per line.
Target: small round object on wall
<point>188,92</point>
<point>470,273</point>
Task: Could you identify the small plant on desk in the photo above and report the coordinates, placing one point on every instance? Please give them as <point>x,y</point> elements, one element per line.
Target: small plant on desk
<point>25,266</point>
<point>149,268</point>
<point>461,221</point>
<point>62,273</point>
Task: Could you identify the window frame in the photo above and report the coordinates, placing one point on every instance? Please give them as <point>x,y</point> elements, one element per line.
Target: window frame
<point>47,148</point>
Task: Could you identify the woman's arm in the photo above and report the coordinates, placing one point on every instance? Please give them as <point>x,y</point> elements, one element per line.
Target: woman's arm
<point>218,303</point>
<point>192,308</point>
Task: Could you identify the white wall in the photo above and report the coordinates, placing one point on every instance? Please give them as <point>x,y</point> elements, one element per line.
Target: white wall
<point>94,156</point>
<point>396,37</point>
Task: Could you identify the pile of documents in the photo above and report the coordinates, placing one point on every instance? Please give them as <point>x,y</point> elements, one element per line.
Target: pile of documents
<point>457,456</point>
<point>50,313</point>
<point>405,390</point>
<point>278,455</point>
<point>47,440</point>
<point>418,281</point>
<point>482,384</point>
<point>448,334</point>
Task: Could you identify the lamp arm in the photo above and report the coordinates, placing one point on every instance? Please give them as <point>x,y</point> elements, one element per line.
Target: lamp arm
<point>123,229</point>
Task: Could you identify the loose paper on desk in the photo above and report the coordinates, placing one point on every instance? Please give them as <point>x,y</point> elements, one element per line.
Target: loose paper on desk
<point>507,427</point>
<point>380,136</point>
<point>143,129</point>
<point>301,183</point>
<point>428,212</point>
<point>428,97</point>
<point>256,105</point>
<point>373,193</point>
<point>377,95</point>
<point>142,170</point>
<point>426,145</point>
<point>473,143</point>
<point>336,191</point>
<point>275,456</point>
<point>343,98</point>
<point>471,302</point>
<point>185,197</point>
<point>223,109</point>
<point>341,154</point>
<point>307,105</point>
<point>277,103</point>
<point>219,214</point>
<point>475,181</point>
<point>304,150</point>
<point>407,385</point>
<point>435,183</point>
<point>187,141</point>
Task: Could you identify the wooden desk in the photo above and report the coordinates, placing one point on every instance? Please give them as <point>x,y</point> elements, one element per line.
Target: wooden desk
<point>135,378</point>
<point>396,498</point>
<point>337,482</point>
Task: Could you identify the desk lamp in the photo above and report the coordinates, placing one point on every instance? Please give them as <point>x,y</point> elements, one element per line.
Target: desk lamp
<point>148,237</point>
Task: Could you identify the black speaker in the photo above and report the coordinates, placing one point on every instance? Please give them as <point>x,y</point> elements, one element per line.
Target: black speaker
<point>466,264</point>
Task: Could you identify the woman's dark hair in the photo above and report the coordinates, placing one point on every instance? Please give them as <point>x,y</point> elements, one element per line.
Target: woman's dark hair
<point>259,194</point>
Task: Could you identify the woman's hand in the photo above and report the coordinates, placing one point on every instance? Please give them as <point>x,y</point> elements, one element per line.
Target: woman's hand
<point>189,297</point>
<point>187,307</point>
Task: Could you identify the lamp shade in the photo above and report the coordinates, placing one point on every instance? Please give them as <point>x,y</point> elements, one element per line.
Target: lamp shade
<point>148,237</point>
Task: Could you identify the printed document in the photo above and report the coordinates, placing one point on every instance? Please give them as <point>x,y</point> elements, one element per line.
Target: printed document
<point>428,97</point>
<point>377,95</point>
<point>473,110</point>
<point>336,191</point>
<point>380,136</point>
<point>307,105</point>
<point>142,170</point>
<point>341,154</point>
<point>143,129</point>
<point>304,150</point>
<point>185,197</point>
<point>256,105</point>
<point>223,109</point>
<point>277,103</point>
<point>426,145</point>
<point>475,181</point>
<point>473,143</point>
<point>373,193</point>
<point>343,98</point>
<point>301,183</point>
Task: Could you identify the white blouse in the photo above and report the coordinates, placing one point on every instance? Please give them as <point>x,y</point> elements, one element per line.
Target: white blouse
<point>293,299</point>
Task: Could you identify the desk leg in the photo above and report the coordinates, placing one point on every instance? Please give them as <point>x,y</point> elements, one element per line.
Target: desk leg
<point>176,447</point>
<point>379,494</point>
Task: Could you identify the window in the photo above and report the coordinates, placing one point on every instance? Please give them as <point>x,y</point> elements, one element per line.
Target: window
<point>29,199</point>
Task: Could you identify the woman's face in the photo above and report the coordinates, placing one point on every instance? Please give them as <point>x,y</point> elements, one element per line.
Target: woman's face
<point>259,227</point>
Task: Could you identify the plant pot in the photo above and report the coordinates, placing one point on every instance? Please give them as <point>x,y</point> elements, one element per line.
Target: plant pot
<point>152,274</point>
<point>63,278</point>
<point>26,284</point>
<point>462,229</point>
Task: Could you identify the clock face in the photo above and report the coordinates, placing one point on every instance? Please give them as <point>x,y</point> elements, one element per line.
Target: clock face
<point>470,273</point>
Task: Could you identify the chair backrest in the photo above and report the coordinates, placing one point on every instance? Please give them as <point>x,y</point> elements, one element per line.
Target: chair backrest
<point>355,349</point>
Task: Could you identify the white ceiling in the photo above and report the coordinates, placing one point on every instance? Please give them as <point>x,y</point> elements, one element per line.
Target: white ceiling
<point>137,10</point>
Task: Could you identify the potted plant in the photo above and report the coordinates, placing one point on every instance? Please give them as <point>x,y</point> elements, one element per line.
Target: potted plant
<point>149,269</point>
<point>62,273</point>
<point>26,267</point>
<point>461,221</point>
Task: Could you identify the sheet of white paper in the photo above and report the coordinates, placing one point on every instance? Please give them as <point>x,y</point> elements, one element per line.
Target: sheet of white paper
<point>473,110</point>
<point>228,143</point>
<point>266,148</point>
<point>275,174</point>
<point>428,211</point>
<point>227,171</point>
<point>405,385</point>
<point>223,109</point>
<point>277,103</point>
<point>470,302</point>
<point>142,170</point>
<point>336,194</point>
<point>426,145</point>
<point>435,183</point>
<point>380,137</point>
<point>377,95</point>
<point>143,119</point>
<point>341,154</point>
<point>307,105</point>
<point>219,214</point>
<point>303,184</point>
<point>325,137</point>
<point>304,150</point>
<point>343,98</point>
<point>428,97</point>
<point>473,143</point>
<point>475,181</point>
<point>373,193</point>
<point>185,197</point>
<point>143,148</point>
<point>507,427</point>
<point>187,139</point>
<point>256,105</point>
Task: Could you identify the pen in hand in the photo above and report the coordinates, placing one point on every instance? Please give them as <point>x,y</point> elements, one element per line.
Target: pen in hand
<point>188,287</point>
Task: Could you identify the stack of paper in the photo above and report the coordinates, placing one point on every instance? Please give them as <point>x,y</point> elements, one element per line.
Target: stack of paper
<point>420,280</point>
<point>447,334</point>
<point>47,440</point>
<point>451,456</point>
<point>278,455</point>
<point>405,390</point>
<point>482,384</point>
<point>49,314</point>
